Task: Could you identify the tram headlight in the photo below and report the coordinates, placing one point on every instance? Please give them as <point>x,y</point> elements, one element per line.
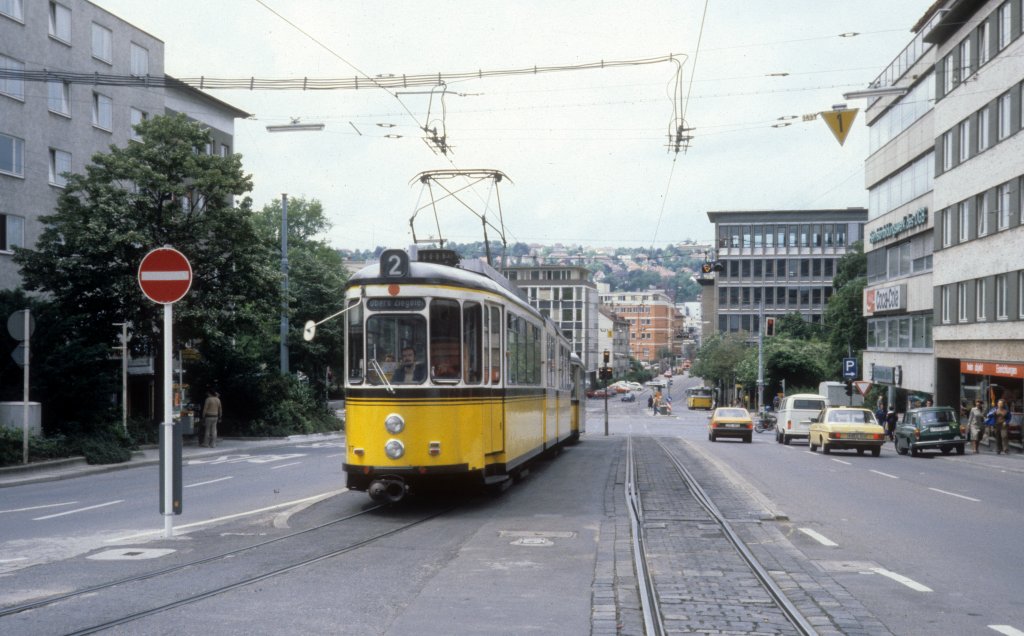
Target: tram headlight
<point>394,423</point>
<point>394,449</point>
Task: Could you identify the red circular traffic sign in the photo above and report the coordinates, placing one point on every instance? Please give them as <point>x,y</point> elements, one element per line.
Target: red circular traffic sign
<point>165,275</point>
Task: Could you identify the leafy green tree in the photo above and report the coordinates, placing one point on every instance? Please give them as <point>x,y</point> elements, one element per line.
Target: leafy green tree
<point>161,191</point>
<point>793,325</point>
<point>847,328</point>
<point>719,358</point>
<point>316,283</point>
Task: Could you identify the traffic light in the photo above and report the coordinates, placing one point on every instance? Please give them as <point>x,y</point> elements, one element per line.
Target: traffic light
<point>849,387</point>
<point>769,326</point>
<point>605,357</point>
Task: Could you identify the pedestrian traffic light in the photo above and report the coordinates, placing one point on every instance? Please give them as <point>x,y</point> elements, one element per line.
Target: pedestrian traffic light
<point>849,387</point>
<point>606,357</point>
<point>769,326</point>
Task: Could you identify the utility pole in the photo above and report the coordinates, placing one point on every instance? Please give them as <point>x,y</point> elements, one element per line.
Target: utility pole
<point>760,358</point>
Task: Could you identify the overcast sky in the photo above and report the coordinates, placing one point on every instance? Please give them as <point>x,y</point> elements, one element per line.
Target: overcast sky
<point>585,149</point>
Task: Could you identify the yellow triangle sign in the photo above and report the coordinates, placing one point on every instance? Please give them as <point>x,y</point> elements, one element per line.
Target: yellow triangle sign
<point>839,122</point>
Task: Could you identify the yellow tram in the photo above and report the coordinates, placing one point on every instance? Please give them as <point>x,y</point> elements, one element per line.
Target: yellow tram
<point>450,376</point>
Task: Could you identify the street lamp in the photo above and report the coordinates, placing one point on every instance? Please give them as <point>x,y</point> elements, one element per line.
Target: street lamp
<point>293,126</point>
<point>884,91</point>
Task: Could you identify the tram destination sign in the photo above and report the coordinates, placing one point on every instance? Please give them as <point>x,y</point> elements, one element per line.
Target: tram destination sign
<point>396,304</point>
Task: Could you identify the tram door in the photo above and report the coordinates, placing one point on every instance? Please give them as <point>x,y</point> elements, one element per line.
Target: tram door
<point>493,358</point>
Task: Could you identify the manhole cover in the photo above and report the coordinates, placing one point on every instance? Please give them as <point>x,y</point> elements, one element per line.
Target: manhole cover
<point>129,554</point>
<point>534,542</point>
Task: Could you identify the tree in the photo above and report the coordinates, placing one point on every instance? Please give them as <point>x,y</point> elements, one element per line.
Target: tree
<point>719,357</point>
<point>161,191</point>
<point>316,283</point>
<point>847,328</point>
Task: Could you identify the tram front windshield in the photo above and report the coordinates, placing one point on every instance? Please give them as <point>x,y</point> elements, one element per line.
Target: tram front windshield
<point>444,347</point>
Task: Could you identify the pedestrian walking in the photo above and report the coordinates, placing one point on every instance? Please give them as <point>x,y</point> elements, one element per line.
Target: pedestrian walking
<point>890,422</point>
<point>213,411</point>
<point>1002,428</point>
<point>976,424</point>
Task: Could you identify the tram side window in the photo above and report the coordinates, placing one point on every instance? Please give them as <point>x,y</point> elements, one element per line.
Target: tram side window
<point>395,348</point>
<point>445,357</point>
<point>536,361</point>
<point>355,342</point>
<point>472,339</point>
<point>494,325</point>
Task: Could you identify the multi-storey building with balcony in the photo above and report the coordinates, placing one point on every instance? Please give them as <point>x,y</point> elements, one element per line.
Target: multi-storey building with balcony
<point>567,295</point>
<point>978,272</point>
<point>776,262</point>
<point>898,299</point>
<point>51,127</point>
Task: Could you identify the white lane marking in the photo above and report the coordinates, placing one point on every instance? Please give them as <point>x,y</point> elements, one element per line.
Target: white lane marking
<point>13,560</point>
<point>1006,629</point>
<point>878,472</point>
<point>823,540</point>
<point>153,533</point>
<point>56,505</point>
<point>899,578</point>
<point>953,494</point>
<point>212,481</point>
<point>285,465</point>
<point>842,462</point>
<point>335,455</point>
<point>71,512</point>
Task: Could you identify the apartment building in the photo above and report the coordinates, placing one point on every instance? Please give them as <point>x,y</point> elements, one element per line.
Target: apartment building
<point>898,299</point>
<point>978,275</point>
<point>652,322</point>
<point>567,295</point>
<point>56,125</point>
<point>613,337</point>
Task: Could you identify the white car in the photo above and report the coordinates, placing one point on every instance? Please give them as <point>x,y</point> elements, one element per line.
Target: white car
<point>794,418</point>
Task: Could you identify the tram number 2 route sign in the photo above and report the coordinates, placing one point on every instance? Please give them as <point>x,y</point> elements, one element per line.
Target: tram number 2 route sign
<point>165,275</point>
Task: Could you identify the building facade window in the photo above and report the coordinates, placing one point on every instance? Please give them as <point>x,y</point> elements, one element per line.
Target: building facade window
<point>981,214</point>
<point>13,229</point>
<point>948,74</point>
<point>964,216</point>
<point>1005,116</point>
<point>60,162</point>
<point>102,112</point>
<point>13,9</point>
<point>984,129</point>
<point>947,227</point>
<point>946,315</point>
<point>961,302</point>
<point>965,140</point>
<point>139,60</point>
<point>58,97</point>
<point>1003,19</point>
<point>965,60</point>
<point>979,300</point>
<point>1002,311</point>
<point>102,43</point>
<point>137,117</point>
<point>12,86</point>
<point>1003,206</point>
<point>12,155</point>
<point>60,22</point>
<point>983,43</point>
<point>947,151</point>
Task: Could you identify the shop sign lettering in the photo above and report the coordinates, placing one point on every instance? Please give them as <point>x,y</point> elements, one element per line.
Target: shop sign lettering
<point>908,222</point>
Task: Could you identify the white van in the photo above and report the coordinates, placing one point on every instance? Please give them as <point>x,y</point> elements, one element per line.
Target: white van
<point>792,421</point>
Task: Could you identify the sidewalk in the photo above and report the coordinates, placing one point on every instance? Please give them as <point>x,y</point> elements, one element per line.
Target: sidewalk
<point>72,467</point>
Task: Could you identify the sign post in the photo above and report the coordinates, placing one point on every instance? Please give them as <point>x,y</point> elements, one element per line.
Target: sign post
<point>165,276</point>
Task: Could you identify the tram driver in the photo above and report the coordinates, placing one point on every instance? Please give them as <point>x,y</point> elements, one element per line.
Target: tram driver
<point>409,370</point>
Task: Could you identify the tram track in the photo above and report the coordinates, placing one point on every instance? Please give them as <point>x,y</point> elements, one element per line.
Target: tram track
<point>654,618</point>
<point>280,567</point>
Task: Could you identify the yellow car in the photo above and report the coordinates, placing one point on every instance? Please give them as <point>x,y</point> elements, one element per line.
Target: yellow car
<point>846,428</point>
<point>731,422</point>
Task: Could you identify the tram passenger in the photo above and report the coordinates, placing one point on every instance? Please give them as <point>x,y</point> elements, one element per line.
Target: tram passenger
<point>409,370</point>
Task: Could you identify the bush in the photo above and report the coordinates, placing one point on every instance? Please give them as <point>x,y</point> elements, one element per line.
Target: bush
<point>107,445</point>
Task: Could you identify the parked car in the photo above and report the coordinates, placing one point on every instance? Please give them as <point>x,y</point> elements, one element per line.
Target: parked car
<point>730,421</point>
<point>795,413</point>
<point>598,393</point>
<point>628,397</point>
<point>846,427</point>
<point>930,427</point>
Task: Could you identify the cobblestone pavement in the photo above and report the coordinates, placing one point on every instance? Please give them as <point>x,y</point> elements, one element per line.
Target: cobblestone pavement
<point>703,585</point>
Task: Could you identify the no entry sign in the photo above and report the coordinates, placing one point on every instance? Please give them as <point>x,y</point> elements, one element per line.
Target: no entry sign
<point>165,275</point>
